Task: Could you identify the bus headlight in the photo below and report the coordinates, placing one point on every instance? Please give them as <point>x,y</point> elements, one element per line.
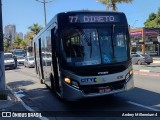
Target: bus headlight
<point>131,72</point>
<point>67,80</point>
<point>71,82</point>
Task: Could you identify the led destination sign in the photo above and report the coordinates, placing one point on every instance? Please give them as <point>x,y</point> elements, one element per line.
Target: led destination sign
<point>94,19</point>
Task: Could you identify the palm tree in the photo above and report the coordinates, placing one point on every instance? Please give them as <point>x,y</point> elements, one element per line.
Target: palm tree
<point>29,37</point>
<point>24,45</point>
<point>112,3</point>
<point>17,41</point>
<point>35,28</point>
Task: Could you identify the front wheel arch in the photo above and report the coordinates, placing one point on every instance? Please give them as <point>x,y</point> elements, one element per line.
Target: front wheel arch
<point>139,62</point>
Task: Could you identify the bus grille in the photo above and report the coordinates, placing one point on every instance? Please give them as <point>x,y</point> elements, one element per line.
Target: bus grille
<point>88,89</point>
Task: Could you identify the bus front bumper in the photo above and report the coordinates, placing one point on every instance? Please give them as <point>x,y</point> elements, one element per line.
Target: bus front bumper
<point>70,93</point>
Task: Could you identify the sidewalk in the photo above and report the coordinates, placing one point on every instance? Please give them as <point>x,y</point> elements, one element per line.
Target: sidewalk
<point>153,69</point>
<point>14,108</point>
<point>12,104</point>
<point>156,59</point>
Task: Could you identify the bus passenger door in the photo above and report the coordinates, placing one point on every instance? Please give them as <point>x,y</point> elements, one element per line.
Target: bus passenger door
<point>40,57</point>
<point>35,58</point>
<point>55,60</point>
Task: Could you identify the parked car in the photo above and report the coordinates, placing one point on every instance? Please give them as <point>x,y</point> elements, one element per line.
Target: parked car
<point>138,58</point>
<point>29,61</point>
<point>9,61</point>
<point>20,60</point>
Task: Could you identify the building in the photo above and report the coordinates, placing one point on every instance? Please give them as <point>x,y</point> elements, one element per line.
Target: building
<point>20,34</point>
<point>145,40</point>
<point>10,32</point>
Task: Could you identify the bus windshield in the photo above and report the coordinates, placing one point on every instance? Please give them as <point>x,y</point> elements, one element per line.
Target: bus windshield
<point>93,46</point>
<point>19,53</point>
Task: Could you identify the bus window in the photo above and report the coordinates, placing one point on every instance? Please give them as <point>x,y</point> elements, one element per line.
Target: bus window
<point>81,47</point>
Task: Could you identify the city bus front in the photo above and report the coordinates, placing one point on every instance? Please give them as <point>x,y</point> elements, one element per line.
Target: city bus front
<point>95,59</point>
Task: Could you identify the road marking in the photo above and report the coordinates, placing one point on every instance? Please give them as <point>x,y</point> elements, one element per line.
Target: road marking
<point>143,106</point>
<point>27,107</point>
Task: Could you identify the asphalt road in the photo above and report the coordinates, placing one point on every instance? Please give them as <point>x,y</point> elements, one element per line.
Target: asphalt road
<point>144,97</point>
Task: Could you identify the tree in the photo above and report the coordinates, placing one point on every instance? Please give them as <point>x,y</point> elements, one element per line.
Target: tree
<point>112,3</point>
<point>158,17</point>
<point>29,37</point>
<point>17,42</point>
<point>23,45</point>
<point>35,28</point>
<point>6,45</point>
<point>153,20</point>
<point>152,16</point>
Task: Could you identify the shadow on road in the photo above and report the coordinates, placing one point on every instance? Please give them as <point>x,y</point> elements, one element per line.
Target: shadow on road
<point>42,99</point>
<point>20,83</point>
<point>8,69</point>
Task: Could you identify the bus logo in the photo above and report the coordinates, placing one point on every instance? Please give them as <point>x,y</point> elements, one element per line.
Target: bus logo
<point>95,80</point>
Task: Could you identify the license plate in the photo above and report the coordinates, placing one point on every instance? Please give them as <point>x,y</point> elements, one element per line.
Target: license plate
<point>104,89</point>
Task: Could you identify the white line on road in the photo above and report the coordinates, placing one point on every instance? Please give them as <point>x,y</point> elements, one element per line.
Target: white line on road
<point>27,107</point>
<point>143,106</point>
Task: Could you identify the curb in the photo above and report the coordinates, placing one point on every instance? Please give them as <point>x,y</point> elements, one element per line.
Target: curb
<point>144,70</point>
<point>156,61</point>
<point>23,104</point>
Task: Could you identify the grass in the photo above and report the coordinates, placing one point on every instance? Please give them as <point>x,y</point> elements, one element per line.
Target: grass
<point>3,95</point>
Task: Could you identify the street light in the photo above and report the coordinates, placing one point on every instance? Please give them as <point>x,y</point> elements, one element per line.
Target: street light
<point>134,23</point>
<point>44,3</point>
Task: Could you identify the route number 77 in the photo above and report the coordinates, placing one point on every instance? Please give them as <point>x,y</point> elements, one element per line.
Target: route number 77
<point>73,19</point>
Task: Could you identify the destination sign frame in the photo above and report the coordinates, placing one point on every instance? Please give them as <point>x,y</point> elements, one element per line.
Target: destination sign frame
<point>87,18</point>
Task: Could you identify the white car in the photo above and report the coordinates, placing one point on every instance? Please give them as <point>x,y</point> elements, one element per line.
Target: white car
<point>29,62</point>
<point>20,60</point>
<point>9,61</point>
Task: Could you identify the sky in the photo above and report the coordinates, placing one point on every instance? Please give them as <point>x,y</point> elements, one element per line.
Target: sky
<point>24,13</point>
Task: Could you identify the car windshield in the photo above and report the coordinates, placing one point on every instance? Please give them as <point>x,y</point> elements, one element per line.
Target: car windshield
<point>31,58</point>
<point>95,46</point>
<point>8,56</point>
<point>20,58</point>
<point>19,53</point>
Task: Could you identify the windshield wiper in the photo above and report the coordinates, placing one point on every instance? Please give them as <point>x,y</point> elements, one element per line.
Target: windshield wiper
<point>90,45</point>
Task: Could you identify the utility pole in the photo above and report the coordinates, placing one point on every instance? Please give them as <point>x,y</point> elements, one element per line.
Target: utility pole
<point>2,71</point>
<point>44,5</point>
<point>134,23</point>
